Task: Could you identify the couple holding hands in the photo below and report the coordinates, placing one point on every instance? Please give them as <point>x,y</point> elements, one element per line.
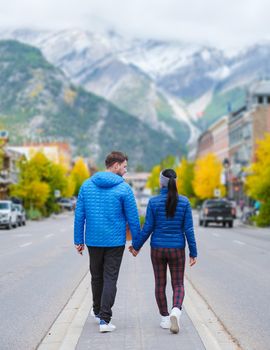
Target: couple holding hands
<point>105,204</point>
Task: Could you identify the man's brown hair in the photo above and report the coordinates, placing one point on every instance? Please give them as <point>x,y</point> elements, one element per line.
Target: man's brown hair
<point>115,157</point>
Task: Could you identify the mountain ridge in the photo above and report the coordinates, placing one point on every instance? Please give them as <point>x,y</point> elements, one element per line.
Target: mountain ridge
<point>37,99</point>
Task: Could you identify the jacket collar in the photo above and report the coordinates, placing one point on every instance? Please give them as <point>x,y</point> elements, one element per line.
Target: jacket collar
<point>164,190</point>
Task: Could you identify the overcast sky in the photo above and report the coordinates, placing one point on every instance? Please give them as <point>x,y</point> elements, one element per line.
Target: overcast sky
<point>227,23</point>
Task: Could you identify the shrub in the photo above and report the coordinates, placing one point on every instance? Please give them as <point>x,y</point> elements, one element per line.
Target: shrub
<point>263,219</point>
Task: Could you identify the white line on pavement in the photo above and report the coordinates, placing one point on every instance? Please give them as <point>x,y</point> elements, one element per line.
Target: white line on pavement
<point>23,235</point>
<point>239,242</point>
<point>216,234</point>
<point>25,244</point>
<point>49,235</point>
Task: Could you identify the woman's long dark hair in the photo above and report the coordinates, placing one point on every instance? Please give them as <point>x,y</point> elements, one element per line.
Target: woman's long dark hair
<point>172,197</point>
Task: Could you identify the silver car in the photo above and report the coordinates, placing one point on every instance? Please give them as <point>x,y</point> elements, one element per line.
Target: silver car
<point>8,214</point>
<point>21,214</point>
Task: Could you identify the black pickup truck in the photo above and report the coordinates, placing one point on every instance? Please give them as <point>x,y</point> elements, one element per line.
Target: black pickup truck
<point>218,211</point>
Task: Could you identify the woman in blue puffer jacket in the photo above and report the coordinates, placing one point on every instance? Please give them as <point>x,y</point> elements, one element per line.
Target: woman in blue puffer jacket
<point>169,222</point>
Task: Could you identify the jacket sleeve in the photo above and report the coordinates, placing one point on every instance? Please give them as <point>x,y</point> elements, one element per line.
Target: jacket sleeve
<point>131,213</point>
<point>79,221</point>
<point>147,228</point>
<point>189,231</point>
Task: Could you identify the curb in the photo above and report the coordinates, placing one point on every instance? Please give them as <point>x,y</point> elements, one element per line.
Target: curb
<point>211,331</point>
<point>67,328</point>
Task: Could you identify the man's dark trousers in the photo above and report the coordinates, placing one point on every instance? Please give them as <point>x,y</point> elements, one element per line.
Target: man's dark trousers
<point>104,268</point>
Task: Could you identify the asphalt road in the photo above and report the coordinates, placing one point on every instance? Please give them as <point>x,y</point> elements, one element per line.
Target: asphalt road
<point>232,275</point>
<point>39,270</point>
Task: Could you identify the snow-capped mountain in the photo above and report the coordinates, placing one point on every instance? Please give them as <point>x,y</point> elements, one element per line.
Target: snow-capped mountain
<point>167,85</point>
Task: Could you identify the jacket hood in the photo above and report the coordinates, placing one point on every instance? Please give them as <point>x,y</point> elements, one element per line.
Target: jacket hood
<point>106,179</point>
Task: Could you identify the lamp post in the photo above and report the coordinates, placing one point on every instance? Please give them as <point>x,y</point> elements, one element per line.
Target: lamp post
<point>226,167</point>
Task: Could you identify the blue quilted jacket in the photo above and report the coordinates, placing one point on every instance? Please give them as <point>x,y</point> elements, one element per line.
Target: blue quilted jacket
<point>105,205</point>
<point>171,232</point>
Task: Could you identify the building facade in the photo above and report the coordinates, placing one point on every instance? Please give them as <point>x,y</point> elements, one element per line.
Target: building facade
<point>233,138</point>
<point>57,152</point>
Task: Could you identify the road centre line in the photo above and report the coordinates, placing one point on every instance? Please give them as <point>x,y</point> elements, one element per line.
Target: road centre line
<point>239,242</point>
<point>216,234</point>
<point>25,244</point>
<point>49,235</point>
<point>23,235</point>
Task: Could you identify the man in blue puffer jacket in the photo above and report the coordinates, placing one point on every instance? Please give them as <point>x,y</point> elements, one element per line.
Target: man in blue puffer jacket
<point>105,205</point>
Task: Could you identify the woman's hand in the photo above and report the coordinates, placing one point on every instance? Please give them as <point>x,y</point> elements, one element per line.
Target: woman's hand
<point>192,261</point>
<point>133,251</point>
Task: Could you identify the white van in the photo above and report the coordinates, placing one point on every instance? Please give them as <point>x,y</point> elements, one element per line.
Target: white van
<point>8,214</point>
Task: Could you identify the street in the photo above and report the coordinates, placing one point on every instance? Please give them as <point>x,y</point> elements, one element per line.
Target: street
<point>232,276</point>
<point>39,270</point>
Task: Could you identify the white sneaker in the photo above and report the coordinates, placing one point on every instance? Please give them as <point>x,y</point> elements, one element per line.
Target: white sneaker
<point>165,322</point>
<point>96,318</point>
<point>106,327</point>
<point>175,320</point>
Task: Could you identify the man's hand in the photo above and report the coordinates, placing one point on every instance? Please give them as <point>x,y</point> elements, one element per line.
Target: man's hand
<point>133,251</point>
<point>192,261</point>
<point>79,248</point>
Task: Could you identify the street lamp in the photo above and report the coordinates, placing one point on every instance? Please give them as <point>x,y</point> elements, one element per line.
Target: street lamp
<point>226,166</point>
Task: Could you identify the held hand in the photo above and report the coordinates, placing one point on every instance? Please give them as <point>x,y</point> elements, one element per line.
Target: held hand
<point>133,251</point>
<point>192,261</point>
<point>79,248</point>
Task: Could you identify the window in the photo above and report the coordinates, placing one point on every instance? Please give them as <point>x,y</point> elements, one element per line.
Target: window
<point>4,206</point>
<point>260,99</point>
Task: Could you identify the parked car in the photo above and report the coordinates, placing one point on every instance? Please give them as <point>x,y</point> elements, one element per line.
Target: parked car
<point>218,211</point>
<point>8,214</point>
<point>66,204</point>
<point>21,217</point>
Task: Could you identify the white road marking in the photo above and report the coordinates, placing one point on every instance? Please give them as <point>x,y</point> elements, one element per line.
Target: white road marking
<point>216,234</point>
<point>23,235</point>
<point>25,244</point>
<point>49,235</point>
<point>239,242</point>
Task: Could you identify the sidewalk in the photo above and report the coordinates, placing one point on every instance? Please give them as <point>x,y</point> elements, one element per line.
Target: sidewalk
<point>136,317</point>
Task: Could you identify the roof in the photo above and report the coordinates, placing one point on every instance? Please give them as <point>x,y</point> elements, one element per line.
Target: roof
<point>261,87</point>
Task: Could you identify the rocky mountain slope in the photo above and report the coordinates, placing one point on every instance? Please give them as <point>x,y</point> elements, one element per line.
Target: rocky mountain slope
<point>37,100</point>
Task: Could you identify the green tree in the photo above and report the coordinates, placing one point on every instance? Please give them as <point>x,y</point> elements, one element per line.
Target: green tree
<point>153,181</point>
<point>170,162</point>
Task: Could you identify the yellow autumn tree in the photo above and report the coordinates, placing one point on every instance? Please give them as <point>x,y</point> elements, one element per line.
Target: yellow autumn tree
<point>70,189</point>
<point>258,182</point>
<point>185,176</point>
<point>207,177</point>
<point>38,180</point>
<point>153,179</point>
<point>34,194</point>
<point>79,174</point>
